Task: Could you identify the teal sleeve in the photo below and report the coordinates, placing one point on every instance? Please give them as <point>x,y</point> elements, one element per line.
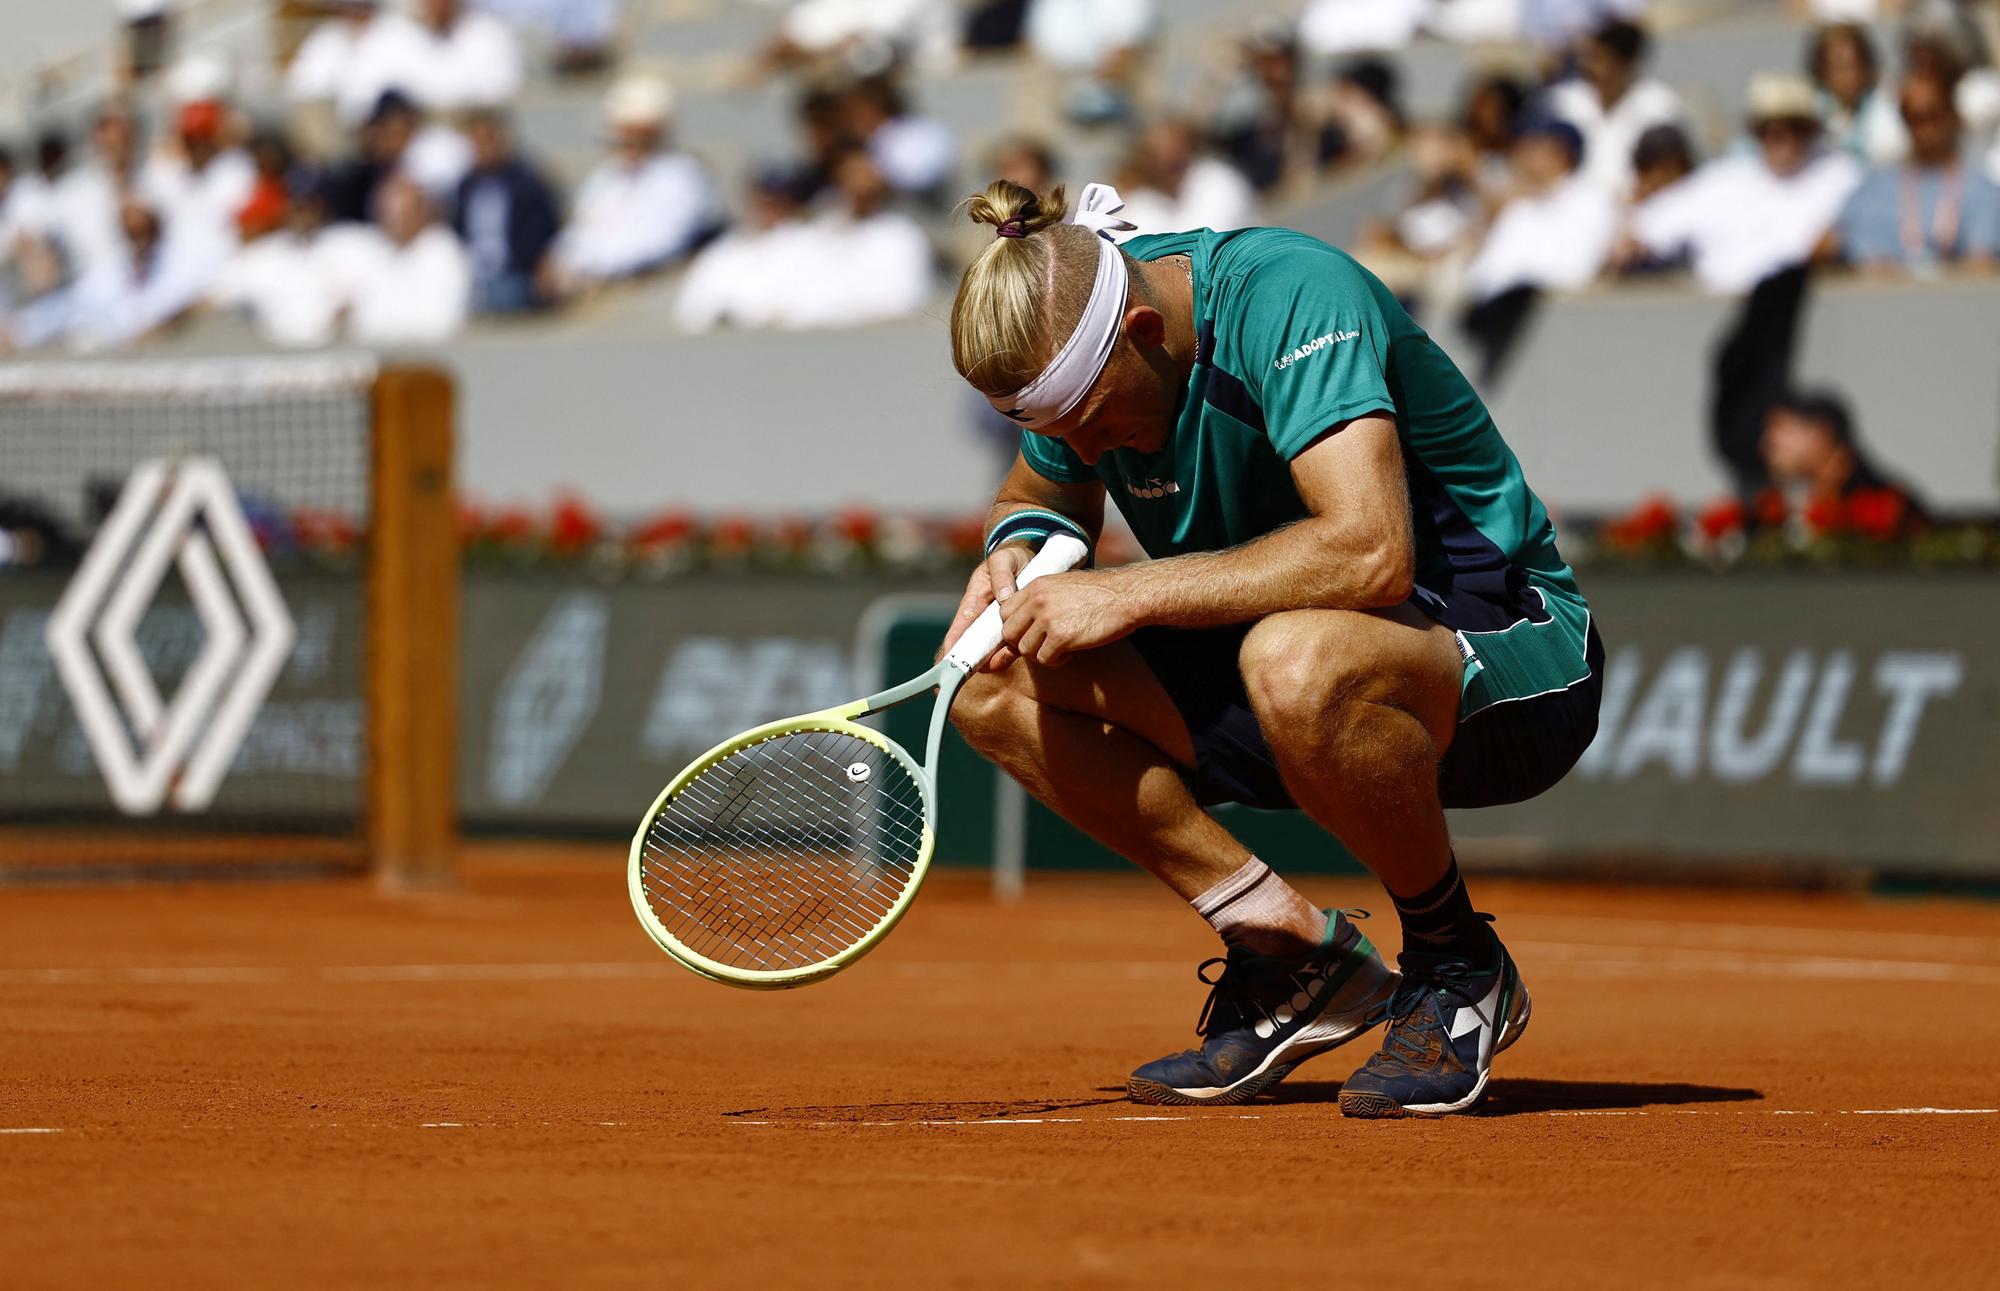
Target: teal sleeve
<point>1316,345</point>
<point>1054,460</point>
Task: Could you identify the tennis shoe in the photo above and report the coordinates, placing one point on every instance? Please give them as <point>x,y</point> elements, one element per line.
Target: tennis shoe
<point>1266,1015</point>
<point>1446,1023</point>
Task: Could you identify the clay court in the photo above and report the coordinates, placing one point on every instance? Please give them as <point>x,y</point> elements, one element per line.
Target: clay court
<point>503,1084</point>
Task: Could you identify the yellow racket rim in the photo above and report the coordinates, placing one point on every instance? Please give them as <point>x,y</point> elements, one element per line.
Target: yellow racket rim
<point>835,721</point>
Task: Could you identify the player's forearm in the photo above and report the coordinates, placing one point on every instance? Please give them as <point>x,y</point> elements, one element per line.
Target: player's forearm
<point>1314,564</point>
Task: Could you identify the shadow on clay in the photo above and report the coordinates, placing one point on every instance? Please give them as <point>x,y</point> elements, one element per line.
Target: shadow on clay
<point>1520,1097</point>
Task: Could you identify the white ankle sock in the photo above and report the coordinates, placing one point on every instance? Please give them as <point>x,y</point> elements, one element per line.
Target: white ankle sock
<point>1257,908</point>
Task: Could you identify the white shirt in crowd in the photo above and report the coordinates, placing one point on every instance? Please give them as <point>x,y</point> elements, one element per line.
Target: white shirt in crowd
<point>915,154</point>
<point>1475,22</point>
<point>24,211</point>
<point>1609,136</point>
<point>200,206</point>
<point>1078,35</point>
<point>628,219</point>
<point>1741,222</point>
<point>1557,241</point>
<point>83,217</point>
<point>927,29</point>
<point>475,63</point>
<point>1554,24</point>
<point>284,281</point>
<point>417,294</point>
<point>1214,195</point>
<point>117,301</point>
<point>1331,28</point>
<point>746,278</point>
<point>859,271</point>
<point>324,66</point>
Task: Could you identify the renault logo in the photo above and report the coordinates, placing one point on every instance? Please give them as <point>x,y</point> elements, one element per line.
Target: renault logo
<point>154,750</point>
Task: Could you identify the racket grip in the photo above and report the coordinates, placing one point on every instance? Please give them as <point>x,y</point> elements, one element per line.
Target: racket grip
<point>979,641</point>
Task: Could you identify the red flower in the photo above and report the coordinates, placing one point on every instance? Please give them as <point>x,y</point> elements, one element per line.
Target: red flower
<point>573,527</point>
<point>858,525</point>
<point>1771,509</point>
<point>665,529</point>
<point>1877,513</point>
<point>966,536</point>
<point>1825,515</point>
<point>1654,521</point>
<point>1722,518</point>
<point>732,535</point>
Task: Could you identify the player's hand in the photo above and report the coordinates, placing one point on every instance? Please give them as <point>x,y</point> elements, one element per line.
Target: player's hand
<point>994,579</point>
<point>1055,617</point>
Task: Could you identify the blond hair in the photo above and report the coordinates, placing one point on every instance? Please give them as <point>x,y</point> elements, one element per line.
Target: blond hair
<point>1022,297</point>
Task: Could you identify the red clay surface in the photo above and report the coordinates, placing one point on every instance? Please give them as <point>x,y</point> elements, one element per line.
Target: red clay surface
<point>504,1085</point>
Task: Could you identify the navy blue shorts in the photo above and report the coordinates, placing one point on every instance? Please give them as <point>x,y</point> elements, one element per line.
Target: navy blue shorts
<point>1534,672</point>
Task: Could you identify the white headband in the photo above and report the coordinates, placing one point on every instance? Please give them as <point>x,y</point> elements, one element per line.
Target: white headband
<point>1077,364</point>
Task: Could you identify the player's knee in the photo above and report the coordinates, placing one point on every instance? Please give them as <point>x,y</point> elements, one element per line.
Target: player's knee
<point>989,707</point>
<point>1299,687</point>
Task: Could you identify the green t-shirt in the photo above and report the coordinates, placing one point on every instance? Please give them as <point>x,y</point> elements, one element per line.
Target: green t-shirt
<point>1293,338</point>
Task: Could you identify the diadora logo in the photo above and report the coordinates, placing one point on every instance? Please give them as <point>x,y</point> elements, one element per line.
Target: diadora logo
<point>153,751</point>
<point>1152,488</point>
<point>1312,347</point>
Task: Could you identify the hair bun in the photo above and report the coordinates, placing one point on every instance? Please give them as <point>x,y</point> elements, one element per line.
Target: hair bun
<point>1016,211</point>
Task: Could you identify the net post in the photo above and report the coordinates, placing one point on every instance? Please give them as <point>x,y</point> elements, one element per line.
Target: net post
<point>413,606</point>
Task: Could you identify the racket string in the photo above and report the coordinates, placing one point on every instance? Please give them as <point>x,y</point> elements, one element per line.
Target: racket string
<point>786,852</point>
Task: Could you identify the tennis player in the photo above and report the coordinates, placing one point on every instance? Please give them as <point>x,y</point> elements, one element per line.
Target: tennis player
<point>1355,607</point>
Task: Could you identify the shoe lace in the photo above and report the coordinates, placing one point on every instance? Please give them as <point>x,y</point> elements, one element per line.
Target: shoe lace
<point>1415,1032</point>
<point>1232,987</point>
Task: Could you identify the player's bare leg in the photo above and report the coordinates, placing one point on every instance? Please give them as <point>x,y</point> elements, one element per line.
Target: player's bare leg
<point>1359,709</point>
<point>1101,743</point>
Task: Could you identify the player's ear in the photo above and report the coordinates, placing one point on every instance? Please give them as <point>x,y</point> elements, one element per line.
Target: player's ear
<point>1146,326</point>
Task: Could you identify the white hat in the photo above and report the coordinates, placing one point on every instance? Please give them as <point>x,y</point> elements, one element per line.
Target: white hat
<point>198,76</point>
<point>1782,96</point>
<point>639,101</point>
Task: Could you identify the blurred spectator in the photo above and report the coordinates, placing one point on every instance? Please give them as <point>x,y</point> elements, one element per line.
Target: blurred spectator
<point>823,31</point>
<point>1098,44</point>
<point>643,206</point>
<point>1362,106</point>
<point>1611,105</point>
<point>413,286</point>
<point>29,265</point>
<point>1663,156</point>
<point>326,68</point>
<point>1262,124</point>
<point>442,56</point>
<point>867,263</point>
<point>1936,207</point>
<point>1811,451</point>
<point>1336,28</point>
<point>1421,251</point>
<point>395,140</point>
<point>1553,235</point>
<point>1024,161</point>
<point>916,154</point>
<point>1745,218</point>
<point>18,216</point>
<point>1855,112</point>
<point>147,280</point>
<point>1848,11</point>
<point>507,215</point>
<point>749,276</point>
<point>199,180</point>
<point>821,119</point>
<point>270,201</point>
<point>1170,186</point>
<point>284,279</point>
<point>1492,113</point>
<point>85,214</point>
<point>1556,25</point>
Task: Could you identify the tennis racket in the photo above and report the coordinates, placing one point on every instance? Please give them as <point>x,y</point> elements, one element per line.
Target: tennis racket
<point>784,854</point>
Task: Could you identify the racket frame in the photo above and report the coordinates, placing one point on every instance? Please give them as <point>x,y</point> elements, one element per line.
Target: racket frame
<point>949,674</point>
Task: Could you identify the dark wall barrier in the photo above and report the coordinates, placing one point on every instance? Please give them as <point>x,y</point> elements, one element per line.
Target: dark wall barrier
<point>1805,719</point>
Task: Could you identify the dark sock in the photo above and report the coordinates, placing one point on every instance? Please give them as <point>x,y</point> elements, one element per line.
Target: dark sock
<point>1441,921</point>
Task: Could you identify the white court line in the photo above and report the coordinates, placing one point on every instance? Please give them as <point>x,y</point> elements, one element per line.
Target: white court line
<point>1556,959</point>
<point>31,1129</point>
